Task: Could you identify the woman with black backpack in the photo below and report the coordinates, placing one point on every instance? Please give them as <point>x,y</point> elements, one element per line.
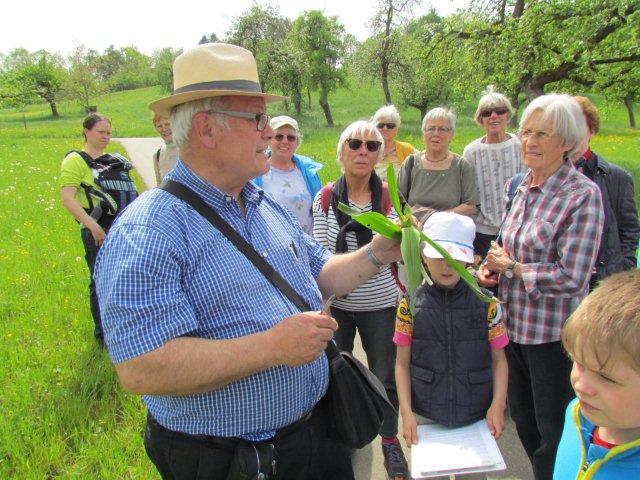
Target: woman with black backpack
<point>95,187</point>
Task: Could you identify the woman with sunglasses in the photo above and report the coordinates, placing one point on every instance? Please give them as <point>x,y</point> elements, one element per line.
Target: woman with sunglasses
<point>387,120</point>
<point>495,158</point>
<point>437,179</point>
<point>370,309</point>
<point>292,179</point>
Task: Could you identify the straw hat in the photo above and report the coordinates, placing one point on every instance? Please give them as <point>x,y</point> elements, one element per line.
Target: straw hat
<point>212,70</point>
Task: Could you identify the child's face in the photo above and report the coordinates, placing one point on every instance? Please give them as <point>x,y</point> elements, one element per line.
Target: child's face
<point>441,273</point>
<point>609,397</point>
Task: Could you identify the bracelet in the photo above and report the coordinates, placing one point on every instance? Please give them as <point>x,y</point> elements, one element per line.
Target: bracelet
<point>372,258</point>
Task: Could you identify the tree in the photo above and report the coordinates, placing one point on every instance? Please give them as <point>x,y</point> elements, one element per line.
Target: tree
<point>319,38</point>
<point>264,32</point>
<point>386,39</point>
<point>528,45</point>
<point>162,64</point>
<point>83,82</point>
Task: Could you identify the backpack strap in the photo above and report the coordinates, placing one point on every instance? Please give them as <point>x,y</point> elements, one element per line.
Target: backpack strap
<point>325,197</point>
<point>514,183</point>
<point>157,156</point>
<point>385,201</point>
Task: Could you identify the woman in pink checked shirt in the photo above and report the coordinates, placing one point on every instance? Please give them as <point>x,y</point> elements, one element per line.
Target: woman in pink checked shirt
<point>550,241</point>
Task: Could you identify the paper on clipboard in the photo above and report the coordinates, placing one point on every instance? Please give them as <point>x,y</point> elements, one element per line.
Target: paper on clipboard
<point>444,451</point>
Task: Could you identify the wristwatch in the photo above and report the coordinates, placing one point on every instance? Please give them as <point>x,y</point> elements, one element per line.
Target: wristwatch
<point>510,271</point>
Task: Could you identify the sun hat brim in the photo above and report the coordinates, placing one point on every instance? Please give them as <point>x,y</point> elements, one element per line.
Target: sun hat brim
<point>458,252</point>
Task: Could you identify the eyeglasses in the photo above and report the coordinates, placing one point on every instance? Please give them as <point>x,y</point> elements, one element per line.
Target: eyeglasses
<point>261,119</point>
<point>437,129</point>
<point>498,111</point>
<point>280,136</point>
<point>388,126</point>
<point>356,143</point>
<point>528,133</point>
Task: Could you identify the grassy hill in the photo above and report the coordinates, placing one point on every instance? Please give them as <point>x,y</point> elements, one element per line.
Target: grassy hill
<point>63,413</point>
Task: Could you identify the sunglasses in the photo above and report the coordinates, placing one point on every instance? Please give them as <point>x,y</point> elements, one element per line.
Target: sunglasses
<point>356,143</point>
<point>280,136</point>
<point>499,111</point>
<point>388,126</point>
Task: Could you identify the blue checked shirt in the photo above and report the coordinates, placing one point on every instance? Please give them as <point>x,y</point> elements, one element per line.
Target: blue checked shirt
<point>165,272</point>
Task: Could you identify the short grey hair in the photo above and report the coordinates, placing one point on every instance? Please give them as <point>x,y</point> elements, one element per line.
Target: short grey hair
<point>182,117</point>
<point>564,117</point>
<point>492,99</point>
<point>361,128</point>
<point>388,112</point>
<point>440,113</point>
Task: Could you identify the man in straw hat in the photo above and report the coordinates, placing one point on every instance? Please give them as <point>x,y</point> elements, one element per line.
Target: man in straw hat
<point>217,351</point>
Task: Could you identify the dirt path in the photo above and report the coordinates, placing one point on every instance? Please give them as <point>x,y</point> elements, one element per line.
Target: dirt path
<point>140,151</point>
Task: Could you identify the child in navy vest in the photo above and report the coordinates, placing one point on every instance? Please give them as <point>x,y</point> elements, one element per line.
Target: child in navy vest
<point>450,366</point>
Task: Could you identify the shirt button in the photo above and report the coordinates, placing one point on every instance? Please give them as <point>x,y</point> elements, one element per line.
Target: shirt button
<point>228,198</point>
<point>264,254</point>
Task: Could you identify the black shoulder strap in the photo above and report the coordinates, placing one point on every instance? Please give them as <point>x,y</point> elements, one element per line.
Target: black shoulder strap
<point>85,156</point>
<point>189,196</point>
<point>157,156</point>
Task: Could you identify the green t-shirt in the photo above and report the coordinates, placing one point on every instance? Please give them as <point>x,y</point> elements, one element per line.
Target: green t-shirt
<point>74,171</point>
<point>438,189</point>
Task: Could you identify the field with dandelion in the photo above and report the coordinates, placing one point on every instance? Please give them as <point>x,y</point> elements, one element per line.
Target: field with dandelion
<point>64,414</point>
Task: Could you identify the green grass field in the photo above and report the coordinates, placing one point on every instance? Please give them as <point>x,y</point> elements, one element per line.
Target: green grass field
<point>63,412</point>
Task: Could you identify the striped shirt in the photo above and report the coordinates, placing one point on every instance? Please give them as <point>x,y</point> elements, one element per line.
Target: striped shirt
<point>166,272</point>
<point>554,231</point>
<point>377,293</point>
<point>494,165</point>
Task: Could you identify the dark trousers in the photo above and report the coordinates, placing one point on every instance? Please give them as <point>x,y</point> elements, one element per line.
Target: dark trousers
<point>90,254</point>
<point>303,453</point>
<point>376,330</point>
<point>539,391</point>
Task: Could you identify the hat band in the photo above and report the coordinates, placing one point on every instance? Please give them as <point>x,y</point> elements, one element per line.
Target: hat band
<point>242,85</point>
<point>452,241</point>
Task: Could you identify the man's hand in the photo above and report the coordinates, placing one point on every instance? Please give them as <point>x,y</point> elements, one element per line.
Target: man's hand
<point>301,338</point>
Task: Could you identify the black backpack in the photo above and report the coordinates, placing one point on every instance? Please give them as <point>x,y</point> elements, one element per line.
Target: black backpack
<point>116,189</point>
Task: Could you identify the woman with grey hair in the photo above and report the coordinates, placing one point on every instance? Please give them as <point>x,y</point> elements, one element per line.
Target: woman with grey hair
<point>387,120</point>
<point>370,309</point>
<point>495,158</point>
<point>437,179</point>
<point>550,240</point>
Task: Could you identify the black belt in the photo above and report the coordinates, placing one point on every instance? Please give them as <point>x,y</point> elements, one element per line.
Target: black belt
<point>231,442</point>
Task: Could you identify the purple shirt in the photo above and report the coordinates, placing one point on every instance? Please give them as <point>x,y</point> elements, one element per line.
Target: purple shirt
<point>554,231</point>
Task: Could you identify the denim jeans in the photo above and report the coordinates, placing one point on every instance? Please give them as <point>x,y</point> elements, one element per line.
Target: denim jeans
<point>305,453</point>
<point>90,254</point>
<point>539,392</point>
<point>376,330</point>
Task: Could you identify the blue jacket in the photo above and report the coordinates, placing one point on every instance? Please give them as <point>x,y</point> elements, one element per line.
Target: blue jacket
<point>576,450</point>
<point>309,169</point>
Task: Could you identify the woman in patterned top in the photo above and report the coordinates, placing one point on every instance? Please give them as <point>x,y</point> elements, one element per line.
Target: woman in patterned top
<point>550,241</point>
<point>495,158</point>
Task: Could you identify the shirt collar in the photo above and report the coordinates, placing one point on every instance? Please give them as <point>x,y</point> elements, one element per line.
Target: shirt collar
<point>555,181</point>
<point>210,193</point>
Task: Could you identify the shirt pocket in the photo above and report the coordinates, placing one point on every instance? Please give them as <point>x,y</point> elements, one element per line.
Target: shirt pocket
<point>538,236</point>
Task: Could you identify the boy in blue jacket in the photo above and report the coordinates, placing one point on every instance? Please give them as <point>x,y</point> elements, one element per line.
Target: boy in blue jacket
<point>601,437</point>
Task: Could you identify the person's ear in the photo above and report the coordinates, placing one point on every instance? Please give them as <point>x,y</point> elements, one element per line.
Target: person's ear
<point>204,129</point>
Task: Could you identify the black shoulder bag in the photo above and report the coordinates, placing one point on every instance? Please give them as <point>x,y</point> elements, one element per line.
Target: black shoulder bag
<point>356,400</point>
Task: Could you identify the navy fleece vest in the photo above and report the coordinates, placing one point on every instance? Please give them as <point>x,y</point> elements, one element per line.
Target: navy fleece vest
<point>451,379</point>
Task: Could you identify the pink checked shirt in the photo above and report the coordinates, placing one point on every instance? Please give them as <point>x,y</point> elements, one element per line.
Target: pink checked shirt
<point>554,232</point>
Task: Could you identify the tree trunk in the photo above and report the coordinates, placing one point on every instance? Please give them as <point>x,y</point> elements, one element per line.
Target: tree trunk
<point>533,90</point>
<point>297,101</point>
<point>54,110</point>
<point>324,103</point>
<point>309,97</point>
<point>385,83</point>
<point>628,102</point>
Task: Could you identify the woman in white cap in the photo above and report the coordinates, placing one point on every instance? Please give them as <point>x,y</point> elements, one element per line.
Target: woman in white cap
<point>292,179</point>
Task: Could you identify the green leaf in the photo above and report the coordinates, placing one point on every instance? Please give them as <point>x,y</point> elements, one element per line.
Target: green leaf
<point>392,183</point>
<point>410,249</point>
<point>374,221</point>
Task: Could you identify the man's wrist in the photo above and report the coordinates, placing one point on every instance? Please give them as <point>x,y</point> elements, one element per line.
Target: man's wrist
<point>373,258</point>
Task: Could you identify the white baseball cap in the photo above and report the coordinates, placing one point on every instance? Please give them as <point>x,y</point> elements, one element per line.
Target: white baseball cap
<point>453,232</point>
<point>282,121</point>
